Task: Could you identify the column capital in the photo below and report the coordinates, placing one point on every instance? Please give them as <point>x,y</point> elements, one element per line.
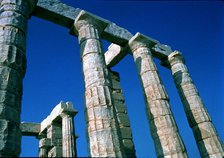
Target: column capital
<point>140,40</point>
<point>87,19</point>
<point>175,57</point>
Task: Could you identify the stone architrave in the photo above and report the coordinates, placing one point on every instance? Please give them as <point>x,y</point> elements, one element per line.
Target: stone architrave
<point>122,115</point>
<point>167,140</point>
<point>13,29</point>
<point>103,131</point>
<point>208,141</point>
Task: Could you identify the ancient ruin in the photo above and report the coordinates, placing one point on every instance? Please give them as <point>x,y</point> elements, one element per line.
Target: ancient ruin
<point>108,126</point>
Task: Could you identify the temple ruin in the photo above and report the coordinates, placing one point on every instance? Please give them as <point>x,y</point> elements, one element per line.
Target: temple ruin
<point>108,126</point>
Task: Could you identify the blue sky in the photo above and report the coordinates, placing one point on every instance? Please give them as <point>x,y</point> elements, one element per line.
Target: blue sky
<point>54,68</point>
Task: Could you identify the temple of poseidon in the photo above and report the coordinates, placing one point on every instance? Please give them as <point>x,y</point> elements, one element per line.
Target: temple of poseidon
<point>108,128</point>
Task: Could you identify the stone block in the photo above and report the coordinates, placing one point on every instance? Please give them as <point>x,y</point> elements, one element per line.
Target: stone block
<point>12,36</point>
<point>10,99</point>
<point>210,146</point>
<point>167,145</point>
<point>129,146</point>
<point>99,95</point>
<point>197,116</point>
<point>118,97</point>
<point>188,89</point>
<point>192,102</point>
<point>150,78</point>
<point>30,129</point>
<point>155,92</point>
<point>126,132</point>
<point>179,68</point>
<point>56,151</point>
<point>18,20</point>
<point>123,119</point>
<point>10,138</point>
<point>10,80</point>
<point>182,78</point>
<point>45,143</point>
<point>158,108</point>
<point>10,114</point>
<point>163,124</point>
<point>119,106</point>
<point>90,46</point>
<point>204,130</point>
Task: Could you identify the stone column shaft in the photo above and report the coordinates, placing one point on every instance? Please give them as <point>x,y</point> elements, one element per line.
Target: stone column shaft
<point>103,134</point>
<point>207,139</point>
<point>13,27</point>
<point>122,115</point>
<point>68,136</point>
<point>164,130</point>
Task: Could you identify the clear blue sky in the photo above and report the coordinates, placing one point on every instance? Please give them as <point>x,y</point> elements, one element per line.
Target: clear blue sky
<point>54,68</point>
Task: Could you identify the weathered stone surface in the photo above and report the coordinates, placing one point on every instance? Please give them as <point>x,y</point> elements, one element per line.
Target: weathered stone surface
<point>103,131</point>
<point>13,19</point>
<point>163,127</point>
<point>57,134</point>
<point>68,136</point>
<point>199,120</point>
<point>122,115</point>
<point>30,129</point>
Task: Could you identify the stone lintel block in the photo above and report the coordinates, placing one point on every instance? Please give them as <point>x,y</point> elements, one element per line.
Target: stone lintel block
<point>126,132</point>
<point>197,116</point>
<point>161,51</point>
<point>210,146</point>
<point>140,40</point>
<point>116,34</point>
<point>123,119</point>
<point>56,12</point>
<point>56,114</point>
<point>167,145</point>
<point>45,143</point>
<point>155,92</point>
<point>204,130</point>
<point>30,128</point>
<point>114,55</point>
<point>158,108</point>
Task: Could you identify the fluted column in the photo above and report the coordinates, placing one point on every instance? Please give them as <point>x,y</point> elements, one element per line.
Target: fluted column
<point>13,28</point>
<point>103,134</point>
<point>164,130</point>
<point>122,115</point>
<point>68,135</point>
<point>208,141</point>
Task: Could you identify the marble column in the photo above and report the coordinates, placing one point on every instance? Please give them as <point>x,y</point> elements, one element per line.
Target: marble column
<point>103,134</point>
<point>13,19</point>
<point>208,141</point>
<point>122,115</point>
<point>68,135</point>
<point>167,140</point>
